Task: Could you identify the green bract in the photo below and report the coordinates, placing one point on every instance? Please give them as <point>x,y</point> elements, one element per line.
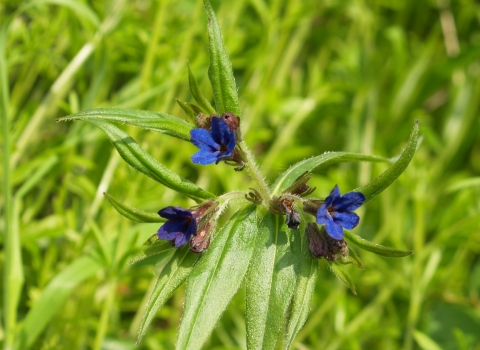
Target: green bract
<point>255,247</point>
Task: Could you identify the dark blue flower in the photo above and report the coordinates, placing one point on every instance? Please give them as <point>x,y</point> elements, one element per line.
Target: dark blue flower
<point>214,145</point>
<point>181,225</point>
<point>336,213</point>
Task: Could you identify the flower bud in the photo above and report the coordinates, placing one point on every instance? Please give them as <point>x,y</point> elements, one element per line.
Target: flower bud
<point>231,120</point>
<point>316,243</point>
<point>300,187</point>
<point>284,206</point>
<point>321,244</point>
<point>201,241</point>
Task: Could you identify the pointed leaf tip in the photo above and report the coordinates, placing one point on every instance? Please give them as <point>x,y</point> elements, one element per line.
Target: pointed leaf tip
<point>376,248</point>
<point>220,70</point>
<point>377,185</point>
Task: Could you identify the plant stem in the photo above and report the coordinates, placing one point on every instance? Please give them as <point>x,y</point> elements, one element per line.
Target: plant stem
<point>254,171</point>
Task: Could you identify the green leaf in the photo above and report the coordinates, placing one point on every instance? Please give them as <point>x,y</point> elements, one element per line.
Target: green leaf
<point>375,248</point>
<point>292,173</point>
<point>197,94</point>
<point>134,155</point>
<point>53,296</point>
<point>154,249</point>
<point>187,109</point>
<point>343,276</point>
<point>220,70</point>
<point>425,342</point>
<point>217,277</point>
<point>79,9</point>
<point>375,187</point>
<point>159,122</point>
<point>172,276</point>
<point>132,213</point>
<point>306,270</point>
<point>271,281</point>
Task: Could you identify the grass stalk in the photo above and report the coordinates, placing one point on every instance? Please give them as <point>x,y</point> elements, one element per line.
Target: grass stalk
<point>11,283</point>
<point>105,315</point>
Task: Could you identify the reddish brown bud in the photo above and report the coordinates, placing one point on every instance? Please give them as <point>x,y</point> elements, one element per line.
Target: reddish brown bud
<point>316,243</point>
<point>201,240</point>
<point>321,244</point>
<point>205,210</point>
<point>231,120</point>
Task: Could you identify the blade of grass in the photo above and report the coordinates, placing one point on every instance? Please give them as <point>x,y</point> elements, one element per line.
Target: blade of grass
<point>13,270</point>
<point>53,297</point>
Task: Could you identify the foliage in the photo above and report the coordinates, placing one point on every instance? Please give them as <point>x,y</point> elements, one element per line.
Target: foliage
<point>344,76</point>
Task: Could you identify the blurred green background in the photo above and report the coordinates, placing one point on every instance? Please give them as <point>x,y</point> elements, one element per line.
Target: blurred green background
<point>313,76</point>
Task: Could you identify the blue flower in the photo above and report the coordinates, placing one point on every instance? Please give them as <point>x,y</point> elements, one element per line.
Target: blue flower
<point>181,225</point>
<point>336,213</point>
<point>214,145</point>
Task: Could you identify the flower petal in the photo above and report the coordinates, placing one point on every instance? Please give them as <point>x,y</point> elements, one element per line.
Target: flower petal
<point>203,140</point>
<point>170,229</point>
<point>180,240</point>
<point>191,230</point>
<point>221,156</point>
<point>205,157</point>
<point>220,131</point>
<point>231,144</point>
<point>174,213</point>
<point>348,220</point>
<point>349,201</point>
<point>322,214</point>
<point>333,196</point>
<point>333,229</point>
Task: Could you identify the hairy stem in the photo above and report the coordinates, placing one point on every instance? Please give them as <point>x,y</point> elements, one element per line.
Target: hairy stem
<point>254,171</point>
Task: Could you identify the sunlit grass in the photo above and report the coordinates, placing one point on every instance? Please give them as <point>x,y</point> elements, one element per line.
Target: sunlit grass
<point>336,75</point>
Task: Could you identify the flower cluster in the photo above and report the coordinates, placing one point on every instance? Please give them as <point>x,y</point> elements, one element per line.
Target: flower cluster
<point>191,226</point>
<point>217,138</point>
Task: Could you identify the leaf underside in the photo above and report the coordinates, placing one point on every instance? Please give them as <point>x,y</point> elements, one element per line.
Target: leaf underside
<point>270,284</point>
<point>217,277</point>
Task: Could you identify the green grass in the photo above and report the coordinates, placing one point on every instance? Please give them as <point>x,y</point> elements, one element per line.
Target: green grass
<point>313,77</point>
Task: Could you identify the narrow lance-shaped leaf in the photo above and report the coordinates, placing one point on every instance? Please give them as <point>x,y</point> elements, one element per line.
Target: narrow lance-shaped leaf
<point>216,278</point>
<point>343,276</point>
<point>375,248</point>
<point>375,187</point>
<point>306,269</point>
<point>271,281</point>
<point>220,70</point>
<point>159,122</point>
<point>172,276</point>
<point>133,214</point>
<point>352,258</point>
<point>187,109</point>
<point>153,250</point>
<point>197,94</point>
<point>310,164</point>
<point>134,155</point>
